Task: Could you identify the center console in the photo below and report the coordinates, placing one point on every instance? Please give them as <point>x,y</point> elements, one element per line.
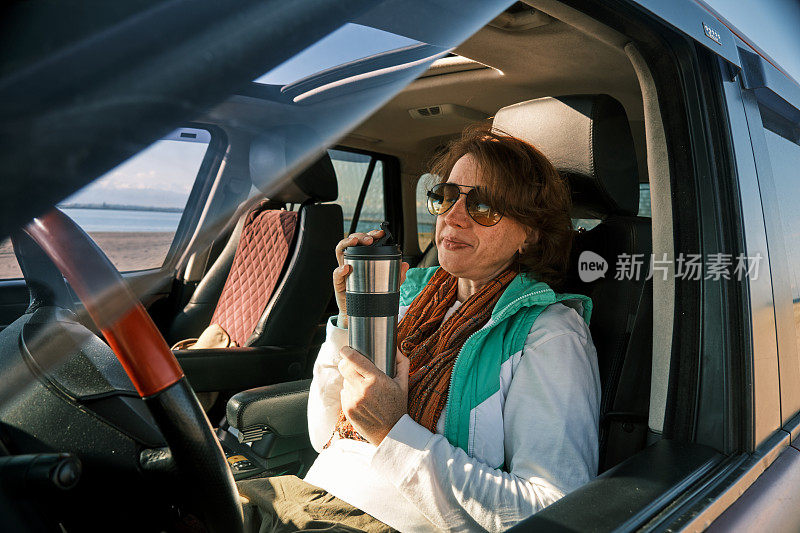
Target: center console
<point>268,431</point>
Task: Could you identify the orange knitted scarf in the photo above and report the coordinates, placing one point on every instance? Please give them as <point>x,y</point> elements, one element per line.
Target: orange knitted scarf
<point>432,344</point>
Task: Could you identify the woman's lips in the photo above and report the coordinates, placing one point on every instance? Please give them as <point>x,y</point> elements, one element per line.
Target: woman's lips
<point>449,243</point>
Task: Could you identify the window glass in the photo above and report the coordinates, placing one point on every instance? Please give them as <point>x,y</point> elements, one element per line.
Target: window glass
<point>644,200</point>
<point>373,212</point>
<point>585,223</point>
<point>349,43</point>
<point>426,223</point>
<point>133,211</point>
<point>785,159</point>
<point>644,210</point>
<point>351,173</point>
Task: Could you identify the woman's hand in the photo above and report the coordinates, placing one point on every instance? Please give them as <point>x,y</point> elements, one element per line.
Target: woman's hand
<point>342,271</point>
<point>372,401</point>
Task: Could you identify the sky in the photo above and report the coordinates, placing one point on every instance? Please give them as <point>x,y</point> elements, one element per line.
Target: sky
<point>348,43</point>
<point>159,176</point>
<point>163,174</point>
<point>772,25</point>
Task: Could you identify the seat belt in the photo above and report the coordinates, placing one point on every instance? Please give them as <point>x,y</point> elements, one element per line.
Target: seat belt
<point>624,426</point>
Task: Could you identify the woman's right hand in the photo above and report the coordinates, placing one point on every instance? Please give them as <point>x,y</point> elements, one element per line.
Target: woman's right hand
<point>342,271</point>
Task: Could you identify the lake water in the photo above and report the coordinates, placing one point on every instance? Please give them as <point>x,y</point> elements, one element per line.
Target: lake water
<point>118,220</point>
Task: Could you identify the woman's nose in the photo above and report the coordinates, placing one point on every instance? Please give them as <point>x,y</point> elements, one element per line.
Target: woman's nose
<point>457,215</point>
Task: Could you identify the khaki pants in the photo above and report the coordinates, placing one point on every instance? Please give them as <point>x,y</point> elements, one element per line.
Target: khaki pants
<point>287,503</point>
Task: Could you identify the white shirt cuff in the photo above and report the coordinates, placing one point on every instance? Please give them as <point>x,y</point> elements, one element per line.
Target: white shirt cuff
<point>338,336</point>
<point>401,451</point>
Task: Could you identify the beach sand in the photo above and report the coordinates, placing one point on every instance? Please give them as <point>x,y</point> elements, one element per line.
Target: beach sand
<point>127,250</point>
<point>139,251</point>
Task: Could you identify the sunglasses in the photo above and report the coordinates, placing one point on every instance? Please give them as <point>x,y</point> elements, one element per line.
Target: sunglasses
<point>443,196</point>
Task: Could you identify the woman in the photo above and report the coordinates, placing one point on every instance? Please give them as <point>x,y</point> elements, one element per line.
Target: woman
<point>493,413</point>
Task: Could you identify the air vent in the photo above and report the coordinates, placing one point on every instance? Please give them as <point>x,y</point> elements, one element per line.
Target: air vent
<point>441,111</point>
<point>430,111</point>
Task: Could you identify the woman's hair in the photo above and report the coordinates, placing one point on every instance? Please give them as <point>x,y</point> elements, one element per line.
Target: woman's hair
<point>520,181</point>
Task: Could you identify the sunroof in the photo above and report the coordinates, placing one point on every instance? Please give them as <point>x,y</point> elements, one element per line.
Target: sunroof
<point>349,43</point>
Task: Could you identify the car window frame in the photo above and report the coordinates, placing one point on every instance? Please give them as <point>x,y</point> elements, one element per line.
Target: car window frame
<point>390,179</point>
<point>765,434</point>
<point>153,284</point>
<point>195,204</point>
<point>200,195</point>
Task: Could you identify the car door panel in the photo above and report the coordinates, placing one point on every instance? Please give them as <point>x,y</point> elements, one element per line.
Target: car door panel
<point>240,368</point>
<point>620,497</point>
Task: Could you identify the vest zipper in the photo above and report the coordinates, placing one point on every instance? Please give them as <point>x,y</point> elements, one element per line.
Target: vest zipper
<point>487,326</point>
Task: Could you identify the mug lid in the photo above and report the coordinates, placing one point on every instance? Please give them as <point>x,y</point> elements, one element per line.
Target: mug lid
<point>383,246</point>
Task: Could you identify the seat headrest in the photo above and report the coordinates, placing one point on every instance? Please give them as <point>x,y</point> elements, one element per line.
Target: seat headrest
<point>588,139</point>
<point>272,152</point>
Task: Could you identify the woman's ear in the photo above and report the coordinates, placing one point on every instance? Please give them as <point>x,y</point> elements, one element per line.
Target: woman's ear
<point>532,238</point>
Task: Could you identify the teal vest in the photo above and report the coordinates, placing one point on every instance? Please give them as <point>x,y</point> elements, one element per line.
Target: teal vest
<point>476,374</point>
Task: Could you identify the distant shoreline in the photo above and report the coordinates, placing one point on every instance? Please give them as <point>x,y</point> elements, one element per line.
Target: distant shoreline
<point>123,207</point>
<point>128,250</point>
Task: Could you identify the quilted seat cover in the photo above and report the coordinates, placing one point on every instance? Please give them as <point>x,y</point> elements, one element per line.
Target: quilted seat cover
<point>263,250</point>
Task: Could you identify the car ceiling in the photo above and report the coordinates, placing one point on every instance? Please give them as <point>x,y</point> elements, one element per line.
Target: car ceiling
<point>552,59</point>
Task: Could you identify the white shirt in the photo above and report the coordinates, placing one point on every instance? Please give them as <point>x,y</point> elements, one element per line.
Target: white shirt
<point>415,480</point>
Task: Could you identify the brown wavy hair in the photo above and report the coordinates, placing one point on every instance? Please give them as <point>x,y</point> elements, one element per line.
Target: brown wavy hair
<point>523,183</point>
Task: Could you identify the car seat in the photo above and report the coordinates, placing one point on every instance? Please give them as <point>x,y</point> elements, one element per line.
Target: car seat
<point>588,140</point>
<point>272,281</point>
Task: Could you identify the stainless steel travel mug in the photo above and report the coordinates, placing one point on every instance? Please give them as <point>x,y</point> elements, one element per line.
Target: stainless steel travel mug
<point>373,297</point>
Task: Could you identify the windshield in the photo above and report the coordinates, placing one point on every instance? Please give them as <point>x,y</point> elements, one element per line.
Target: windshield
<point>274,123</point>
<point>302,106</point>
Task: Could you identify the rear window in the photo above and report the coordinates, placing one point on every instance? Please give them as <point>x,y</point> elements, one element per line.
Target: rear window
<point>361,189</point>
<point>426,223</point>
<point>784,155</point>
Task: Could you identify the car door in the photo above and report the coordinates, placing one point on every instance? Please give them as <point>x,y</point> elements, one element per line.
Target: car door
<point>765,105</point>
<point>726,416</point>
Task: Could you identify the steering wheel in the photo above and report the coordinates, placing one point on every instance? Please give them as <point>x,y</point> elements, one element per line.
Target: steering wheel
<point>150,364</point>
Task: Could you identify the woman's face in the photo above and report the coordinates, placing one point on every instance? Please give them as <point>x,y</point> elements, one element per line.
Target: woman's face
<point>467,249</point>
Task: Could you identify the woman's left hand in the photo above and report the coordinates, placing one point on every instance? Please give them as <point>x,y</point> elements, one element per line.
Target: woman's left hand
<point>372,401</point>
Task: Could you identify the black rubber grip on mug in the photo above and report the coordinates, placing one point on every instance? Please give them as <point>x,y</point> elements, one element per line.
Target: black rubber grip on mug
<point>375,304</point>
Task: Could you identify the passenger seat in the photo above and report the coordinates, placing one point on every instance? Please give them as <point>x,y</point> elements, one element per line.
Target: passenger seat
<point>272,281</point>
